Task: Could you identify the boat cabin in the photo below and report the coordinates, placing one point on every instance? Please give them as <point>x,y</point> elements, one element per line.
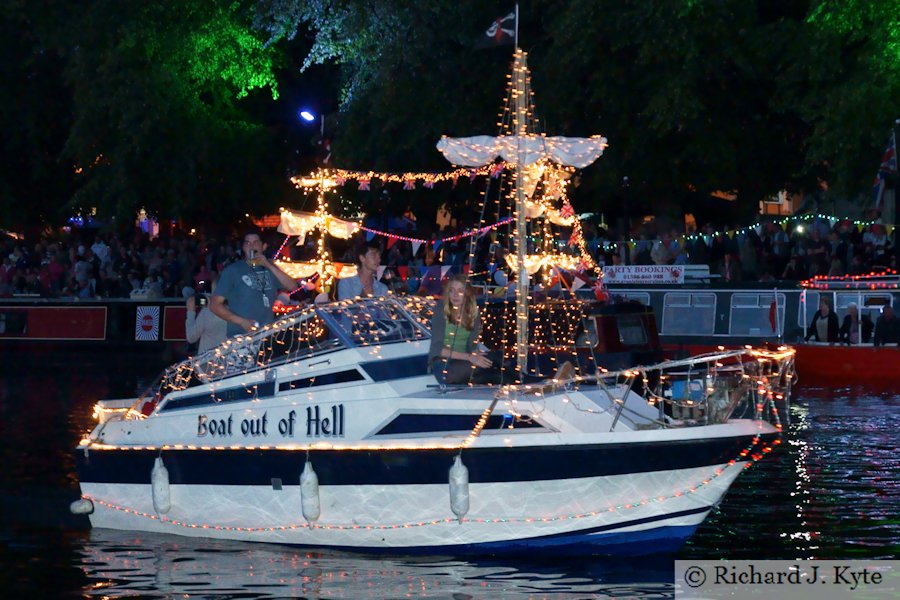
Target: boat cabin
<point>593,335</point>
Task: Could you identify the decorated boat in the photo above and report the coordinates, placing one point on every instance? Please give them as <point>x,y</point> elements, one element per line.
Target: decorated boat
<point>325,428</point>
<point>697,313</point>
<point>858,356</point>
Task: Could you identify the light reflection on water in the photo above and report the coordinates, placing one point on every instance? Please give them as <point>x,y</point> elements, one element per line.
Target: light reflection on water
<point>830,491</point>
<point>119,564</point>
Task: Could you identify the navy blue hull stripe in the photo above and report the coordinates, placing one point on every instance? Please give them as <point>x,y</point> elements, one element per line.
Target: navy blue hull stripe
<point>406,467</point>
<point>646,541</point>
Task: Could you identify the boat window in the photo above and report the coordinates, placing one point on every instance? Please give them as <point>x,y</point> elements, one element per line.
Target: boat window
<point>869,303</point>
<point>804,317</point>
<point>754,314</point>
<point>306,337</point>
<point>642,297</point>
<point>375,321</point>
<point>689,314</point>
<point>631,330</point>
<point>421,309</point>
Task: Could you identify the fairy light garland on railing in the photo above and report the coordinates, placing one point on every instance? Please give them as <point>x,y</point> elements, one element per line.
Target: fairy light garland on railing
<point>885,280</point>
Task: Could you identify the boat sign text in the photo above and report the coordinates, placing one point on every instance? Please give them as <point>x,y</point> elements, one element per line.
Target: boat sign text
<point>320,423</point>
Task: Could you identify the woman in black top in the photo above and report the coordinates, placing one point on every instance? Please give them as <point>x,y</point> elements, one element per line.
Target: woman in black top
<point>824,326</point>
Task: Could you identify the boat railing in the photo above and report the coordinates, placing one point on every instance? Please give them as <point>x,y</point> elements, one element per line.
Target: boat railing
<point>701,390</point>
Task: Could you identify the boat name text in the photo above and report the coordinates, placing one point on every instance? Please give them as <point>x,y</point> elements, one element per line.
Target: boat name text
<point>320,422</point>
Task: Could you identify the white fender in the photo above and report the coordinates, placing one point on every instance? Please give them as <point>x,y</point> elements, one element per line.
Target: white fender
<point>159,478</point>
<point>82,506</point>
<point>309,493</point>
<point>459,488</point>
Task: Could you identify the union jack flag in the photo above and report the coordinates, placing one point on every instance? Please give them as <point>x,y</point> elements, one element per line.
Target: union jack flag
<point>502,31</point>
<point>888,166</point>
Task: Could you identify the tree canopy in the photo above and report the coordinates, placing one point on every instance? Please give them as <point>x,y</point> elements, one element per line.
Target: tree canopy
<point>183,108</point>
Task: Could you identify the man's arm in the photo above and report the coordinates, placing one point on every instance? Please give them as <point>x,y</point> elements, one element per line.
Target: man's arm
<point>218,307</point>
<point>284,280</point>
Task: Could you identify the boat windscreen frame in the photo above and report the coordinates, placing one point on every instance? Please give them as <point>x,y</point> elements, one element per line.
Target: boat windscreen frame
<point>396,308</point>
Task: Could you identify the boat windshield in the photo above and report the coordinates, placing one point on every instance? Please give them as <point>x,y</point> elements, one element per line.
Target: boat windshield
<point>372,321</point>
<point>309,332</point>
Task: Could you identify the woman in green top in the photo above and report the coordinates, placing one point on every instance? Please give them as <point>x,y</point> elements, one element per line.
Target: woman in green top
<point>454,355</point>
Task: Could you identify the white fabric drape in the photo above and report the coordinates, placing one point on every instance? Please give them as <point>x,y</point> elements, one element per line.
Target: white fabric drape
<point>482,149</point>
<point>301,223</point>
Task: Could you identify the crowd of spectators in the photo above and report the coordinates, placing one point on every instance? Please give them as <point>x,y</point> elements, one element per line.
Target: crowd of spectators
<point>810,248</point>
<point>90,263</point>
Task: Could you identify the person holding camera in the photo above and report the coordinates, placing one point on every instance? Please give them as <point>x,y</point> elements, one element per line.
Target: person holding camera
<point>248,288</point>
<point>204,326</point>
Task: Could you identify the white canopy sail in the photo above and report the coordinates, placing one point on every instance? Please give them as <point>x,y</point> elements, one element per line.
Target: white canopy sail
<point>482,149</point>
<point>301,223</point>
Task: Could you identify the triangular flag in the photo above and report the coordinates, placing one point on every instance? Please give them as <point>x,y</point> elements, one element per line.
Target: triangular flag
<point>338,267</point>
<point>577,283</point>
<point>403,271</point>
<point>379,272</point>
<point>437,244</point>
<point>370,235</point>
<point>391,241</point>
<point>758,229</point>
<point>415,247</point>
<point>860,227</point>
<point>444,271</point>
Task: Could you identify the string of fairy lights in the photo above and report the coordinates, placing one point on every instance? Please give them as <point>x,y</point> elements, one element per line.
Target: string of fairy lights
<point>885,280</point>
<point>759,226</point>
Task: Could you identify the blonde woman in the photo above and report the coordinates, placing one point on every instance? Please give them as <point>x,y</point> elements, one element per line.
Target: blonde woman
<point>454,356</point>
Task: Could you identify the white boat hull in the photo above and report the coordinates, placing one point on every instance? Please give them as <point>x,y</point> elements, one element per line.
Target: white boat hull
<point>627,512</point>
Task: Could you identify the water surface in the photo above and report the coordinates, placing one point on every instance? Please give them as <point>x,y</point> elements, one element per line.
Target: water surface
<point>830,491</point>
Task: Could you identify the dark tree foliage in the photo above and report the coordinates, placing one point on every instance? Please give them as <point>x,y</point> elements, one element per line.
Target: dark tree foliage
<point>694,96</point>
<point>173,106</point>
<point>158,121</point>
<point>33,117</point>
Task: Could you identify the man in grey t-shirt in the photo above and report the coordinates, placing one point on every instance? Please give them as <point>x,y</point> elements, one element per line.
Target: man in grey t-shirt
<point>247,289</point>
